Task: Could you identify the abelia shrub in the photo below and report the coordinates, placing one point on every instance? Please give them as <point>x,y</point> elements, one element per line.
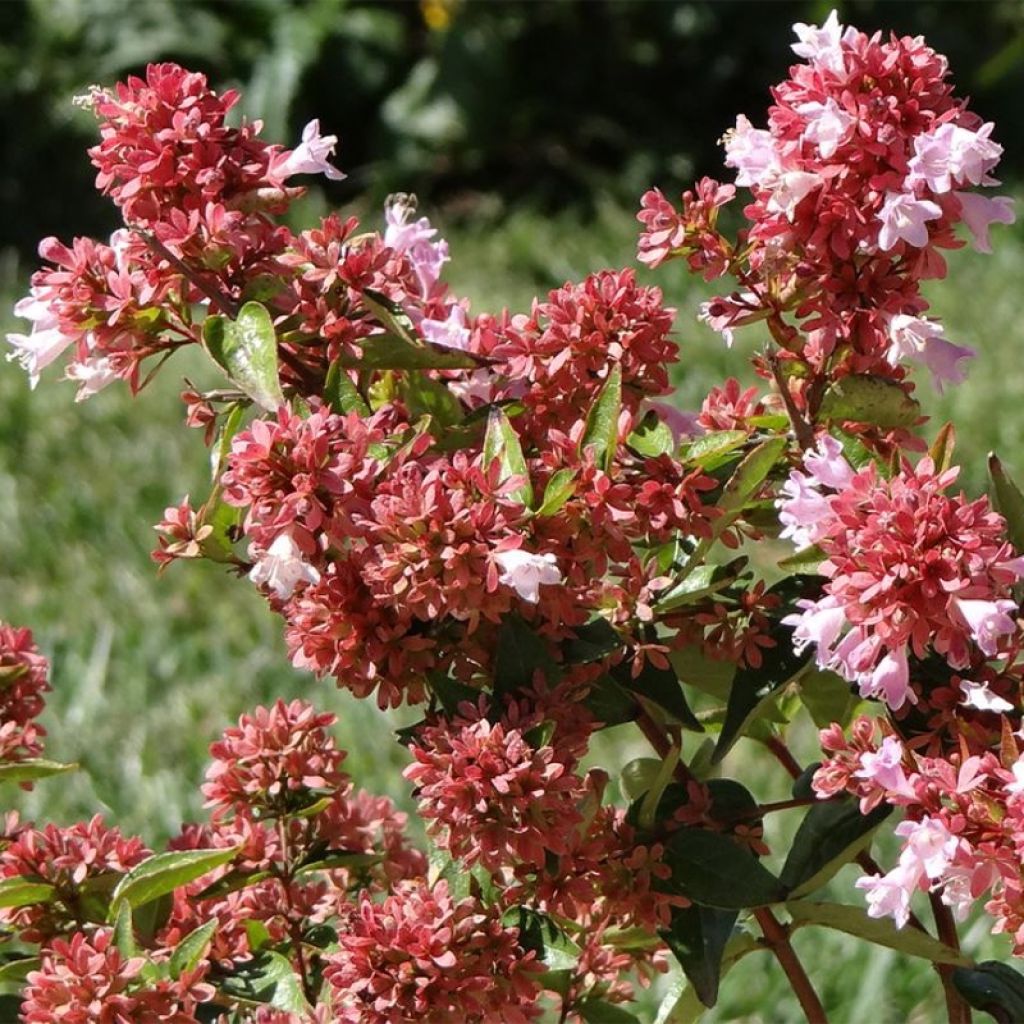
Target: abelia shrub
<point>496,519</point>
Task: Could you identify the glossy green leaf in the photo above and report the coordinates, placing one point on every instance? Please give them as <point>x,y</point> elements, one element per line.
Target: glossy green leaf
<point>21,892</point>
<point>540,935</point>
<point>862,398</point>
<point>831,835</point>
<point>827,696</point>
<point>610,703</point>
<point>33,769</point>
<point>520,654</point>
<point>267,978</point>
<point>230,882</point>
<point>703,581</point>
<point>390,315</point>
<point>124,931</point>
<point>592,641</point>
<point>424,396</point>
<point>333,860</point>
<point>450,692</point>
<point>602,428</point>
<point>16,970</point>
<point>708,448</point>
<point>661,687</point>
<point>638,775</point>
<point>501,444</point>
<point>698,936</point>
<point>881,930</point>
<point>711,869</point>
<point>806,562</point>
<point>246,349</point>
<point>560,488</point>
<point>652,437</point>
<point>164,872</point>
<point>1008,500</point>
<point>230,425</point>
<point>709,675</point>
<point>341,395</point>
<point>994,988</point>
<point>389,352</point>
<point>597,1011</point>
<point>192,949</point>
<point>941,450</point>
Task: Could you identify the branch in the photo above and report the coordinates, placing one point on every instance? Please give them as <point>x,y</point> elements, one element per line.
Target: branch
<point>776,936</point>
<point>957,1011</point>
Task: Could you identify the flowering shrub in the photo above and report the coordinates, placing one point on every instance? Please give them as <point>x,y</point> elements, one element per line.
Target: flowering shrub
<point>496,518</point>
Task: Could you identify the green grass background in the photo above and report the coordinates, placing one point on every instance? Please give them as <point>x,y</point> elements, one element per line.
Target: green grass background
<point>147,669</point>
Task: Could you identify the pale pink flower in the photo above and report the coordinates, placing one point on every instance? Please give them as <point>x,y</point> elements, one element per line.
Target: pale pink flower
<point>788,189</point>
<point>828,125</point>
<point>92,374</point>
<point>929,849</point>
<point>751,151</point>
<point>889,680</point>
<point>804,512</point>
<point>309,157</point>
<point>885,768</point>
<point>827,464</point>
<point>904,218</point>
<point>979,696</point>
<point>1017,786</point>
<point>282,567</point>
<point>924,340</point>
<point>820,623</point>
<point>980,212</point>
<point>951,155</point>
<point>821,46</point>
<point>526,573</point>
<point>449,333</point>
<point>888,895</point>
<point>988,621</point>
<point>415,239</point>
<point>45,342</point>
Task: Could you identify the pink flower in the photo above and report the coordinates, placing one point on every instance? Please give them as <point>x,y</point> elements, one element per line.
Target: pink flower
<point>526,573</point>
<point>788,189</point>
<point>929,848</point>
<point>751,151</point>
<point>888,895</point>
<point>980,212</point>
<point>46,341</point>
<point>952,155</point>
<point>821,46</point>
<point>449,333</point>
<point>980,697</point>
<point>827,466</point>
<point>904,218</point>
<point>889,680</point>
<point>922,339</point>
<point>92,374</point>
<point>820,623</point>
<point>885,768</point>
<point>309,157</point>
<point>415,239</point>
<point>282,567</point>
<point>828,124</point>
<point>988,621</point>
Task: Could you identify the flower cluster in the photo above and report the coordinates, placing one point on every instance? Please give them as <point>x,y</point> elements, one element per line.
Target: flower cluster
<point>909,569</point>
<point>23,681</point>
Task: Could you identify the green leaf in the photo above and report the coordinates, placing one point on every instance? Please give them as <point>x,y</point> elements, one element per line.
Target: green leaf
<point>560,488</point>
<point>520,653</point>
<point>124,931</point>
<point>881,931</point>
<point>708,675</point>
<point>827,696</point>
<point>703,581</point>
<point>831,834</point>
<point>1009,501</point>
<point>609,703</point>
<point>661,687</point>
<point>806,562</point>
<point>32,769</point>
<point>539,934</point>
<point>597,1011</point>
<point>192,949</point>
<point>602,429</point>
<point>391,315</point>
<point>698,936</point>
<point>638,775</point>
<point>592,641</point>
<point>941,450</point>
<point>866,399</point>
<point>222,448</point>
<point>16,970</point>
<point>424,396</point>
<point>709,449</point>
<point>230,882</point>
<point>246,349</point>
<point>333,860</point>
<point>390,352</point>
<point>267,978</point>
<point>714,870</point>
<point>652,437</point>
<point>341,394</point>
<point>21,892</point>
<point>164,872</point>
<point>450,692</point>
<point>994,988</point>
<point>501,443</point>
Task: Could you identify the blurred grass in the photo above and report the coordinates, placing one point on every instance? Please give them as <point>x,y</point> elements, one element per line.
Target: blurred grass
<point>147,670</point>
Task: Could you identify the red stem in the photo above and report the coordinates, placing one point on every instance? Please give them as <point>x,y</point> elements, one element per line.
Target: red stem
<point>776,936</point>
<point>784,757</point>
<point>957,1011</point>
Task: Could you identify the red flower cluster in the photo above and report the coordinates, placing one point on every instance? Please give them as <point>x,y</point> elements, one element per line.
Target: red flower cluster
<point>23,681</point>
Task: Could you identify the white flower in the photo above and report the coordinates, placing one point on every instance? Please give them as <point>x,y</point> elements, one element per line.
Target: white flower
<point>821,46</point>
<point>282,568</point>
<point>904,217</point>
<point>978,695</point>
<point>526,573</point>
<point>751,151</point>
<point>788,189</point>
<point>44,343</point>
<point>310,156</point>
<point>93,375</point>
<point>888,895</point>
<point>827,125</point>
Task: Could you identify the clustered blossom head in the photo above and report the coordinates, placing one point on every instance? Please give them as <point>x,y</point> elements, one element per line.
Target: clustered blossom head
<point>909,568</point>
<point>423,955</point>
<point>965,818</point>
<point>23,681</point>
<point>867,165</point>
